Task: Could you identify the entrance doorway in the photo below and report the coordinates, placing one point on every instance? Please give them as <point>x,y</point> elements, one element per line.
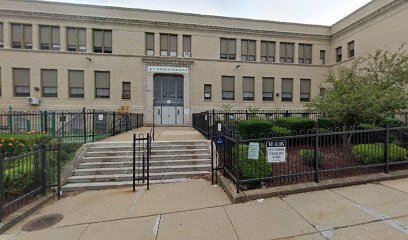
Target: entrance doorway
<point>168,99</point>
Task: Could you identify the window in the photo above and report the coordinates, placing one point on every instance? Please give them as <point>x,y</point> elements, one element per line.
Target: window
<point>248,50</point>
<point>339,56</point>
<point>305,85</point>
<point>287,90</point>
<point>149,44</point>
<point>286,52</point>
<point>267,51</point>
<point>228,48</point>
<point>186,46</point>
<point>1,35</point>
<point>267,88</point>
<point>102,84</point>
<point>76,83</point>
<point>21,82</point>
<point>228,88</point>
<point>248,88</point>
<point>0,82</point>
<point>168,45</point>
<point>49,83</point>
<point>351,49</point>
<point>76,38</point>
<point>49,38</point>
<point>126,90</point>
<point>102,41</point>
<point>21,36</point>
<point>207,91</point>
<point>305,54</point>
<point>322,57</point>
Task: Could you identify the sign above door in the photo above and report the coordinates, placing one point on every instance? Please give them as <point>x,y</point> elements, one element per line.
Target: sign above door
<point>167,69</point>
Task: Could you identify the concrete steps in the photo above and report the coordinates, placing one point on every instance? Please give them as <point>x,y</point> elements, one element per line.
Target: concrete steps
<point>110,165</point>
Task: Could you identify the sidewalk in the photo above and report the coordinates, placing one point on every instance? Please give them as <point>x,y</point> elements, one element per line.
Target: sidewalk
<point>161,134</point>
<point>196,210</point>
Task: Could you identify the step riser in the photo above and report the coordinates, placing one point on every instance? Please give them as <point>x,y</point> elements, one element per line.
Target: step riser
<point>158,148</point>
<point>129,178</point>
<point>154,144</point>
<point>130,170</point>
<point>152,158</point>
<point>152,164</point>
<point>154,153</point>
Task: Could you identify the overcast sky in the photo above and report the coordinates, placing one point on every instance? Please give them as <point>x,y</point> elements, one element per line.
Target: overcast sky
<point>324,12</point>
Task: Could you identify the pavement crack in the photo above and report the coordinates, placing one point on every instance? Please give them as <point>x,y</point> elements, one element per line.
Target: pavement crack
<point>156,227</point>
<point>393,188</point>
<point>233,227</point>
<point>83,232</point>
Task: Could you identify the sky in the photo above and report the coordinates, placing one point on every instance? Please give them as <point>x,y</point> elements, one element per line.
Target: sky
<point>323,12</point>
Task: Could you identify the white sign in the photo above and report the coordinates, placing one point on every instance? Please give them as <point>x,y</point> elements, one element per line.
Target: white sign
<point>186,111</point>
<point>219,127</point>
<point>276,151</point>
<point>167,69</point>
<point>253,151</point>
<point>100,117</point>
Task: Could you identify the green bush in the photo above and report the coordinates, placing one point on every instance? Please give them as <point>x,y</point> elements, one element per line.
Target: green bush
<point>326,123</point>
<point>15,144</point>
<point>281,131</point>
<point>374,153</point>
<point>367,126</point>
<point>391,122</point>
<point>308,156</point>
<point>295,123</point>
<point>254,127</point>
<point>250,168</point>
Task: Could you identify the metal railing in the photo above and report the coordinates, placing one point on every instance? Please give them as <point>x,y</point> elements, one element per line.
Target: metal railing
<point>309,157</point>
<point>142,145</point>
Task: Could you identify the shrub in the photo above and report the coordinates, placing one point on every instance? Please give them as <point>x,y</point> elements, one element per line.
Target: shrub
<point>250,168</point>
<point>367,126</point>
<point>309,157</point>
<point>295,123</point>
<point>254,127</point>
<point>391,122</point>
<point>280,131</point>
<point>326,123</point>
<point>374,153</point>
<point>15,144</point>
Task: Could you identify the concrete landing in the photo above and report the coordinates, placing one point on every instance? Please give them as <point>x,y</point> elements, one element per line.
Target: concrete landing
<point>161,134</point>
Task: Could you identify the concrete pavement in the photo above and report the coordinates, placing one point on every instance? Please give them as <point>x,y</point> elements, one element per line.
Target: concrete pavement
<point>196,210</point>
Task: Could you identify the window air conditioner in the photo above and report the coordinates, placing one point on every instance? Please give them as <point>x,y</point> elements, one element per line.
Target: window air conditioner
<point>33,101</point>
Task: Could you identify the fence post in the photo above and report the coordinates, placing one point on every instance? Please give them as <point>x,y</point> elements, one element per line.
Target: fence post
<point>149,148</point>
<point>84,115</point>
<point>134,162</point>
<point>386,149</point>
<point>28,125</point>
<point>44,168</point>
<point>237,161</point>
<point>59,171</point>
<point>113,124</point>
<point>53,123</point>
<point>93,125</point>
<point>316,157</point>
<point>127,122</point>
<point>45,127</point>
<point>10,119</point>
<point>1,186</point>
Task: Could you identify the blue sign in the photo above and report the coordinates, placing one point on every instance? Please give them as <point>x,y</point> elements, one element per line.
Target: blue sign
<point>219,140</point>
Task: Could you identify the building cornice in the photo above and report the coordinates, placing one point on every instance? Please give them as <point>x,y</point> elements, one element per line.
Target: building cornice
<point>377,13</point>
<point>161,24</point>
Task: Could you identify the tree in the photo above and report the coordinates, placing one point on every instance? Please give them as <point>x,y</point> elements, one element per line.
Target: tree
<point>368,91</point>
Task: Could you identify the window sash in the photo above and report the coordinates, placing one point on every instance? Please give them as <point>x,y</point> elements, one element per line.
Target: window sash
<point>76,92</point>
<point>207,91</point>
<point>50,91</point>
<point>351,49</point>
<point>76,39</point>
<point>186,43</point>
<point>76,79</point>
<point>305,86</point>
<point>287,85</point>
<point>102,93</point>
<point>102,79</point>
<point>228,83</point>
<point>1,35</point>
<point>268,84</point>
<point>49,78</point>
<point>339,54</point>
<point>150,43</point>
<point>286,51</point>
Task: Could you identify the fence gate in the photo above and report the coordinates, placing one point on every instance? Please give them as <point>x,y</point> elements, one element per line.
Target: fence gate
<point>141,159</point>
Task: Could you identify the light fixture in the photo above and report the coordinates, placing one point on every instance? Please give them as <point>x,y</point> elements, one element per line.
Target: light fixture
<point>238,66</point>
<point>89,59</point>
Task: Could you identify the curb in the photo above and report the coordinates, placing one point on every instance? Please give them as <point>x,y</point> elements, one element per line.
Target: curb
<point>23,212</point>
<point>249,195</point>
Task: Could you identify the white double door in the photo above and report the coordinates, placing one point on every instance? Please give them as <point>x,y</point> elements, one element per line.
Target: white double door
<point>168,115</point>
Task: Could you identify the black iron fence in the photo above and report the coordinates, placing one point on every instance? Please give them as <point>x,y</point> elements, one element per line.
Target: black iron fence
<point>142,147</point>
<point>26,175</point>
<point>85,125</point>
<point>277,160</point>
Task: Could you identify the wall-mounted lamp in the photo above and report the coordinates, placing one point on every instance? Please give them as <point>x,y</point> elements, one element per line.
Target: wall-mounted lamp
<point>238,66</point>
<point>277,94</point>
<point>36,89</point>
<point>89,59</point>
